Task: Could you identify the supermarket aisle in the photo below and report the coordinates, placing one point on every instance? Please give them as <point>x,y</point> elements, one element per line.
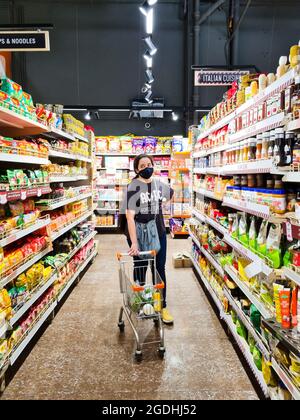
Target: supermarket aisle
<point>82,356</point>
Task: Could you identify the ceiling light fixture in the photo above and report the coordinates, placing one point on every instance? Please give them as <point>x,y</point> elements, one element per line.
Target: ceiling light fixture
<point>148,97</point>
<point>88,116</point>
<point>150,78</point>
<point>145,8</point>
<point>146,88</point>
<point>175,116</point>
<point>150,45</point>
<point>152,2</point>
<point>149,60</point>
<point>149,22</point>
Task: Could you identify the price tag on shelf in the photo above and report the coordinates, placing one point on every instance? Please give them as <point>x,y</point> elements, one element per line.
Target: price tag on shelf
<point>289,231</point>
<point>23,195</point>
<point>3,198</point>
<point>39,192</point>
<point>253,269</point>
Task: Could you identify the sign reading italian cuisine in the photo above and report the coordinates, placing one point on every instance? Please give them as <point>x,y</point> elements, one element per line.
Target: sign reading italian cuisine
<point>217,77</point>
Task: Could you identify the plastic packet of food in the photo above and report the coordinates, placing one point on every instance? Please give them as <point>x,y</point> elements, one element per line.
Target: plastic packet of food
<point>235,227</point>
<point>262,238</point>
<point>253,234</point>
<point>243,230</point>
<point>16,208</point>
<point>274,245</point>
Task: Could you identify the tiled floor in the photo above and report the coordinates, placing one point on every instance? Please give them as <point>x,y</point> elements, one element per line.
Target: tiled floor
<point>83,356</point>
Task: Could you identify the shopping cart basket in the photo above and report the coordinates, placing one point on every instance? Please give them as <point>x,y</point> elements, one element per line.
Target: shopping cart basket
<point>142,290</point>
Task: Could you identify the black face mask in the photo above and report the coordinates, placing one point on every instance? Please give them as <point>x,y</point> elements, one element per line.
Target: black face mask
<point>146,173</point>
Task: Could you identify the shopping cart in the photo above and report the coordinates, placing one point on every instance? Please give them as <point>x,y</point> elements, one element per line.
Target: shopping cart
<point>142,290</point>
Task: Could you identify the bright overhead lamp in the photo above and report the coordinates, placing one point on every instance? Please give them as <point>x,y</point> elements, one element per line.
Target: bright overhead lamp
<point>150,45</point>
<point>146,88</point>
<point>152,2</point>
<point>150,78</point>
<point>175,116</point>
<point>149,61</point>
<point>145,8</point>
<point>149,22</point>
<point>88,116</point>
<point>148,97</point>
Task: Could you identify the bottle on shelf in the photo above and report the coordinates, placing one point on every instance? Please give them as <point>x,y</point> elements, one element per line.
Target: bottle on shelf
<point>259,142</point>
<point>288,148</point>
<point>295,101</point>
<point>296,152</point>
<point>279,147</point>
<point>265,145</point>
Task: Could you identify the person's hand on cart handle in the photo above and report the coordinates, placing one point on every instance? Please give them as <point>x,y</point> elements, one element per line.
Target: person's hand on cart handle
<point>134,250</point>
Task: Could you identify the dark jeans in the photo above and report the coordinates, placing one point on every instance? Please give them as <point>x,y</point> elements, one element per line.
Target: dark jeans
<point>140,267</point>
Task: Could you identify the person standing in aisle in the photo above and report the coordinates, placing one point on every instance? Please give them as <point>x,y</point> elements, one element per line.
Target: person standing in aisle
<point>145,196</point>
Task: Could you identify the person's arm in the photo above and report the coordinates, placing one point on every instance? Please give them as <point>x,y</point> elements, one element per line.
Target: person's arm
<point>134,250</point>
<point>167,192</point>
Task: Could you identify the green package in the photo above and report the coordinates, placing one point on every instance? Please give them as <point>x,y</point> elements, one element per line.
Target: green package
<point>262,238</point>
<point>253,234</point>
<point>235,227</point>
<point>241,330</point>
<point>243,230</point>
<point>257,357</point>
<point>273,245</point>
<point>252,344</point>
<point>255,318</point>
<point>234,317</point>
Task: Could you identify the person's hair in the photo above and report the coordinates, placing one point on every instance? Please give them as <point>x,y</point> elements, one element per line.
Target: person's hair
<point>138,159</point>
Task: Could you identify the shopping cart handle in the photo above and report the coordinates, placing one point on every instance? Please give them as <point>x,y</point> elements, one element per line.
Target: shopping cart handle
<point>141,254</point>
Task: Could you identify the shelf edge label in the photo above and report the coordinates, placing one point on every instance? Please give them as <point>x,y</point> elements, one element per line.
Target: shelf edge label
<point>23,41</point>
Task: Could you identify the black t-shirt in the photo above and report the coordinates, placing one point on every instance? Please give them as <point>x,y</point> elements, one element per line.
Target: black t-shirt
<point>146,201</point>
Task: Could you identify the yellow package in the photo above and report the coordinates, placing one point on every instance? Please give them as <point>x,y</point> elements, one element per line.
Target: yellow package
<point>21,280</point>
<point>35,274</point>
<point>5,301</point>
<point>47,273</point>
<point>3,349</point>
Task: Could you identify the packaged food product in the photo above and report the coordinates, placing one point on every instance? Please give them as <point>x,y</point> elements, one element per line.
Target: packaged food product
<point>150,145</point>
<point>11,88</point>
<point>273,245</point>
<point>114,145</point>
<point>101,144</point>
<point>126,144</point>
<point>257,357</point>
<point>262,238</point>
<point>277,289</point>
<point>243,230</point>
<point>138,146</point>
<point>285,300</point>
<point>16,208</point>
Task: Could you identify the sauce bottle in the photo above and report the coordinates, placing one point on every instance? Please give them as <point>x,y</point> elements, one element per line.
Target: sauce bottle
<point>279,147</point>
<point>296,151</point>
<point>288,148</point>
<point>265,145</point>
<point>258,155</point>
<point>271,146</point>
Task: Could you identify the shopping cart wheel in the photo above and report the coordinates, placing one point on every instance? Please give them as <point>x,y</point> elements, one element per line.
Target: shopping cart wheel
<point>121,326</point>
<point>161,352</point>
<point>138,356</point>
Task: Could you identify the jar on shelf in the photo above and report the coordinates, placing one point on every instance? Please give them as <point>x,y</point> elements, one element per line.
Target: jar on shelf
<point>245,151</point>
<point>237,180</point>
<point>259,142</point>
<point>291,201</point>
<point>260,181</point>
<point>251,181</point>
<point>278,184</point>
<point>270,182</point>
<point>251,149</point>
<point>278,201</point>
<point>265,145</point>
<point>244,181</point>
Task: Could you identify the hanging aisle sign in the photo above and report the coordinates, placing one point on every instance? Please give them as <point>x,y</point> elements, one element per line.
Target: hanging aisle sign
<point>24,41</point>
<point>217,77</point>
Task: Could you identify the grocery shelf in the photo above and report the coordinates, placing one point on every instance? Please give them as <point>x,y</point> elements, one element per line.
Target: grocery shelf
<point>247,354</point>
<point>180,216</point>
<point>256,167</point>
<point>207,255</point>
<point>81,138</point>
<point>173,234</point>
<point>106,227</point>
<point>292,275</point>
<point>204,171</point>
<point>68,156</point>
<point>286,379</point>
<point>3,330</point>
<point>60,203</point>
<point>4,281</point>
<point>75,276</point>
<point>291,177</point>
<point>258,210</point>
<point>207,193</point>
<point>208,287</point>
<point>205,219</point>
<point>13,124</point>
<point>34,297</point>
<point>201,217</point>
<point>266,125</point>
<point>70,226</point>
<point>19,233</point>
<point>293,125</point>
<point>68,179</point>
<point>286,336</point>
<point>211,151</point>
<point>107,210</point>
<point>16,158</point>
<point>247,323</point>
<point>81,245</point>
<point>247,253</point>
<point>23,194</point>
<point>129,154</point>
<point>56,133</point>
<point>266,313</point>
<point>31,333</point>
<point>276,87</point>
<point>113,200</point>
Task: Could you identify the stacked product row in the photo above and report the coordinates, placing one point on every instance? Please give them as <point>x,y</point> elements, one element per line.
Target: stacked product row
<point>46,239</point>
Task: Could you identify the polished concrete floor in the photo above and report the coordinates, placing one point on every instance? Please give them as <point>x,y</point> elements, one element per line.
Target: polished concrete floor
<point>81,355</point>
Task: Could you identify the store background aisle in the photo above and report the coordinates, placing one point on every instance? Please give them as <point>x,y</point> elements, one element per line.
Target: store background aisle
<point>82,355</point>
